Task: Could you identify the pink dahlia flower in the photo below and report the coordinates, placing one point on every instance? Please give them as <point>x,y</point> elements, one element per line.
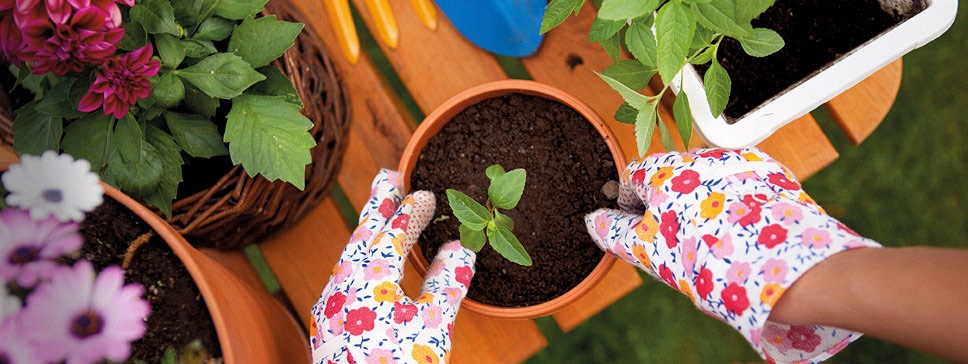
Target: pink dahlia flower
<point>61,37</point>
<point>120,82</point>
<point>12,44</point>
<point>80,317</point>
<point>13,345</point>
<point>29,248</point>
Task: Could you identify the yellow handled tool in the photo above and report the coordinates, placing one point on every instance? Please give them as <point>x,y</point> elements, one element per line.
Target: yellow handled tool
<point>386,24</point>
<point>426,12</point>
<point>339,15</point>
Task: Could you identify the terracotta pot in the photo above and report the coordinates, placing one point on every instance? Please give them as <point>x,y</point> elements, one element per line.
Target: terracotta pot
<point>252,327</point>
<point>450,108</point>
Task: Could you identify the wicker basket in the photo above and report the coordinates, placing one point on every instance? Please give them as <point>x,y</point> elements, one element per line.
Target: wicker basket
<point>238,210</point>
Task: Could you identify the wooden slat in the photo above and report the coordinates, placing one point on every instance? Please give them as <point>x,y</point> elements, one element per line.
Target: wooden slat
<point>622,279</point>
<point>802,146</point>
<point>434,65</point>
<point>302,257</point>
<point>860,109</point>
<point>561,49</point>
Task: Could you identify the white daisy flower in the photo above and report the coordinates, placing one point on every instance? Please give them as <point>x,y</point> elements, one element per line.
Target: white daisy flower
<point>53,184</point>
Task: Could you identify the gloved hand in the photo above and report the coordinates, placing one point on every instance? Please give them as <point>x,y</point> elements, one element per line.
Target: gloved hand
<point>363,314</point>
<point>732,230</point>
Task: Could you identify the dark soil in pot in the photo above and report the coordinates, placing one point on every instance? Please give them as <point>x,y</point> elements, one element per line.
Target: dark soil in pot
<point>178,311</point>
<point>567,165</point>
<point>816,33</point>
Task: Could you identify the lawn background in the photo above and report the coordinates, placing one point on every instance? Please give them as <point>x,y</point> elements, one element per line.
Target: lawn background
<point>905,185</point>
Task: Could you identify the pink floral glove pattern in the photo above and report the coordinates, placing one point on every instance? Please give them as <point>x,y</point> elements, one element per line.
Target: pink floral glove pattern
<point>732,230</point>
<point>363,315</point>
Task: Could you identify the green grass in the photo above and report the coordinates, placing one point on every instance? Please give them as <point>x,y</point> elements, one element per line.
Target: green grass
<point>905,185</point>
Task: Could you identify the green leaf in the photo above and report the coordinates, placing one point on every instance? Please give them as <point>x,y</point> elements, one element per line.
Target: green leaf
<point>503,220</point>
<point>613,46</point>
<point>36,132</point>
<point>269,136</point>
<point>276,84</point>
<point>640,41</point>
<point>506,189</point>
<point>633,98</point>
<point>683,115</point>
<point>603,29</point>
<point>134,36</point>
<point>187,12</point>
<point>493,170</point>
<point>196,134</point>
<point>61,101</point>
<point>170,50</point>
<point>626,113</point>
<point>747,10</point>
<point>703,38</point>
<point>214,28</point>
<point>665,137</point>
<point>238,9</point>
<point>717,85</point>
<point>703,57</point>
<point>171,169</point>
<point>505,243</point>
<point>467,211</point>
<point>471,239</point>
<point>630,73</point>
<point>557,11</point>
<point>223,75</point>
<point>156,16</point>
<point>762,43</point>
<point>167,90</point>
<point>644,127</point>
<point>720,16</point>
<point>675,26</point>
<point>197,48</point>
<point>90,138</point>
<point>198,102</point>
<point>137,178</point>
<point>128,138</point>
<point>624,10</point>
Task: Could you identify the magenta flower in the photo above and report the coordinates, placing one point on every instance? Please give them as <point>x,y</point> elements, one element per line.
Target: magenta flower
<point>13,345</point>
<point>59,43</point>
<point>120,82</point>
<point>12,44</point>
<point>29,248</point>
<point>81,317</point>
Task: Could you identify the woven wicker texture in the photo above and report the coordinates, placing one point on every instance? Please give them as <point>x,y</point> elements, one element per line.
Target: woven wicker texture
<point>238,210</point>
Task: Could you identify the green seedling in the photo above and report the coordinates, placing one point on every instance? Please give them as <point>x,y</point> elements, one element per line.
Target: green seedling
<point>481,224</point>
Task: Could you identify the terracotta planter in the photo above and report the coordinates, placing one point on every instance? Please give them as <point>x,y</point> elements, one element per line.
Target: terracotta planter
<point>443,114</point>
<point>252,327</point>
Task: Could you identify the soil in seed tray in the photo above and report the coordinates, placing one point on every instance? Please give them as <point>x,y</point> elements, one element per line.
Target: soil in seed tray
<point>567,165</point>
<point>178,311</point>
<point>816,33</point>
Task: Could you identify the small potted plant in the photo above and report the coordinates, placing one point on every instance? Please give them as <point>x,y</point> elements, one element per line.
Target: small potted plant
<point>572,163</point>
<point>248,323</point>
<point>162,91</point>
<point>707,40</point>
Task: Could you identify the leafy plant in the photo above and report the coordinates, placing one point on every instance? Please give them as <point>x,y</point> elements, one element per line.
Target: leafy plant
<point>188,79</point>
<point>663,36</point>
<point>485,223</point>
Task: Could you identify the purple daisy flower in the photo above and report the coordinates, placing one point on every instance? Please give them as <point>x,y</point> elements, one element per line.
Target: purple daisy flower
<point>29,248</point>
<point>81,317</point>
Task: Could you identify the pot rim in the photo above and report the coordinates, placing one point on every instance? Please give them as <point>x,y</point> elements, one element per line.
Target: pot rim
<point>450,108</point>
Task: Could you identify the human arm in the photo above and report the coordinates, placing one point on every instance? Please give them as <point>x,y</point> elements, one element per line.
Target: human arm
<point>914,297</point>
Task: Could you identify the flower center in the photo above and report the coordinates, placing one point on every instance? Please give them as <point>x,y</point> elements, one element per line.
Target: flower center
<point>87,324</point>
<point>53,195</point>
<point>23,255</point>
<point>4,359</point>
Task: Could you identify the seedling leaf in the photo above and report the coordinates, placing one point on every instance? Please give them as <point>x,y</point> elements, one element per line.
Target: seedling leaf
<point>505,243</point>
<point>468,212</point>
<point>506,189</point>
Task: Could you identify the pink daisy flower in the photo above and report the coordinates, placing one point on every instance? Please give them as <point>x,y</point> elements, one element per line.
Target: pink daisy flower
<point>29,248</point>
<point>90,317</point>
<point>121,81</point>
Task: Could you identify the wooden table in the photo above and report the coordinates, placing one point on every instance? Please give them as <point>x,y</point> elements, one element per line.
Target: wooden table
<point>434,65</point>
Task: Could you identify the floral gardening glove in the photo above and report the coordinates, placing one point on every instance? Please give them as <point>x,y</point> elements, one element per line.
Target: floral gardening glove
<point>363,314</point>
<point>732,230</point>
